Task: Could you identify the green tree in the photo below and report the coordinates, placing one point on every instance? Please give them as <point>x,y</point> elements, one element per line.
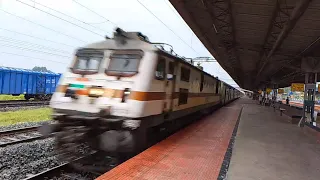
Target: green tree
<point>41,69</point>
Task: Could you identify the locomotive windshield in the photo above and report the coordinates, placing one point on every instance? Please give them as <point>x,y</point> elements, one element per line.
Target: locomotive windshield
<point>87,62</point>
<point>124,63</point>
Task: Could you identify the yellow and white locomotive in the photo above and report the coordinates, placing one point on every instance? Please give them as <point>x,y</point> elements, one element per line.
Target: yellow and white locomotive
<point>117,88</point>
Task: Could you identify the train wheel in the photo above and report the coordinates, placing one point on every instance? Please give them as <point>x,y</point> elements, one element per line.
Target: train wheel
<point>49,97</point>
<point>27,97</point>
<point>39,97</point>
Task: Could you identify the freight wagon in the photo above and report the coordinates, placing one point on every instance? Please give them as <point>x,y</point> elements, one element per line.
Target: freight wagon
<point>33,84</point>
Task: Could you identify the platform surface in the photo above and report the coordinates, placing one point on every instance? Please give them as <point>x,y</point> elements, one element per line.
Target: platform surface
<point>195,152</point>
<point>267,147</point>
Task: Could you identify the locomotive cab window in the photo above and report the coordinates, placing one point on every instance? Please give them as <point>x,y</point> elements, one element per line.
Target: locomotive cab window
<point>87,62</point>
<point>124,63</point>
<point>160,69</point>
<point>185,74</point>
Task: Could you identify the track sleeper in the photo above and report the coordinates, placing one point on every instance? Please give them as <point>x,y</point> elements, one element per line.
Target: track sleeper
<point>11,139</point>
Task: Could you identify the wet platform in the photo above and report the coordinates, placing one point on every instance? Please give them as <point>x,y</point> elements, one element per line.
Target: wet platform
<point>268,147</point>
<point>195,152</point>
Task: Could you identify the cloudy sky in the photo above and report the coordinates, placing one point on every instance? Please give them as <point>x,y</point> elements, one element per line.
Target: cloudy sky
<point>46,32</point>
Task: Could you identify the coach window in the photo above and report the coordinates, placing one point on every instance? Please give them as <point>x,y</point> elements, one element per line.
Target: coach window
<point>217,87</point>
<point>183,96</point>
<point>171,71</point>
<point>185,74</point>
<point>201,82</point>
<point>160,70</point>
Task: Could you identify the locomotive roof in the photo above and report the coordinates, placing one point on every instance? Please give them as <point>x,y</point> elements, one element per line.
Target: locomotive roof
<point>140,44</point>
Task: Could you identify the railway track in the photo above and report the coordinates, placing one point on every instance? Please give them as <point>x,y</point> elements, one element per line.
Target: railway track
<point>89,165</point>
<point>58,171</point>
<point>18,103</point>
<point>94,165</point>
<point>21,135</point>
<point>68,170</point>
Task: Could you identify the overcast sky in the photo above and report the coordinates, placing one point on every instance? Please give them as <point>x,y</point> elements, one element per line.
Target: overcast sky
<point>49,41</point>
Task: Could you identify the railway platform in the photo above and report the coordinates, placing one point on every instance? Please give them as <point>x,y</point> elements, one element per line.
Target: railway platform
<point>266,146</point>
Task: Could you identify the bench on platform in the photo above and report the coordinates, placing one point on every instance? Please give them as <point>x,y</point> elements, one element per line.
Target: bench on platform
<point>281,111</point>
<point>292,111</point>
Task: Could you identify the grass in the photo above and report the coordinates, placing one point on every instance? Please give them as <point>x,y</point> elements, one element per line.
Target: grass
<point>9,97</point>
<point>20,116</point>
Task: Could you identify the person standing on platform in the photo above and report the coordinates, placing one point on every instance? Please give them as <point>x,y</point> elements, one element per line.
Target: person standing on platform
<point>267,101</point>
<point>274,100</point>
<point>287,100</point>
<point>260,99</point>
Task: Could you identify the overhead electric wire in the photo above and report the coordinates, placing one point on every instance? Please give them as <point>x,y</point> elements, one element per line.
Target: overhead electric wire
<point>24,45</point>
<point>89,24</point>
<point>6,39</point>
<point>32,57</point>
<point>33,50</point>
<point>44,26</point>
<point>174,12</point>
<point>94,12</point>
<point>98,22</point>
<point>166,26</point>
<point>179,17</point>
<point>60,18</point>
<point>12,43</point>
<point>35,37</point>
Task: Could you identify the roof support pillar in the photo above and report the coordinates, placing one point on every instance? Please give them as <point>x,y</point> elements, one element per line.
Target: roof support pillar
<point>308,115</point>
<point>274,95</point>
<point>310,66</point>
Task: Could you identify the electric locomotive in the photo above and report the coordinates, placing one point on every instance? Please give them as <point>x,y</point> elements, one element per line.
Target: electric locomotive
<point>118,88</point>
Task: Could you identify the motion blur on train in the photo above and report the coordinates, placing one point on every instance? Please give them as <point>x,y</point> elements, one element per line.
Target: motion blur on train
<point>117,89</point>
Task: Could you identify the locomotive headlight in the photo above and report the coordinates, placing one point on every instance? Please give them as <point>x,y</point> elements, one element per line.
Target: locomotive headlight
<point>96,92</point>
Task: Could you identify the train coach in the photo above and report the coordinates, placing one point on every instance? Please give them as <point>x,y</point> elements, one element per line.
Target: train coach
<point>32,84</point>
<point>118,88</point>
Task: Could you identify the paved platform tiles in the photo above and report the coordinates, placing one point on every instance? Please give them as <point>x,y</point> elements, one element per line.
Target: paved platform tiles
<point>196,152</point>
<point>267,147</point>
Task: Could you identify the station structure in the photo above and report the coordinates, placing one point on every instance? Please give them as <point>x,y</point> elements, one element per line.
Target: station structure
<point>263,45</point>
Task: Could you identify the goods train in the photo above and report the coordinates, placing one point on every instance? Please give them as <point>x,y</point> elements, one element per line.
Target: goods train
<point>118,88</point>
<point>33,84</point>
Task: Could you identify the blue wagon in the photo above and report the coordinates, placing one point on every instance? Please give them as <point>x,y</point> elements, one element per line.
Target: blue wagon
<point>33,84</point>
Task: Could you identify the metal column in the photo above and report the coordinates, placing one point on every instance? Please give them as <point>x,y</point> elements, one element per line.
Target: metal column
<point>309,98</point>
